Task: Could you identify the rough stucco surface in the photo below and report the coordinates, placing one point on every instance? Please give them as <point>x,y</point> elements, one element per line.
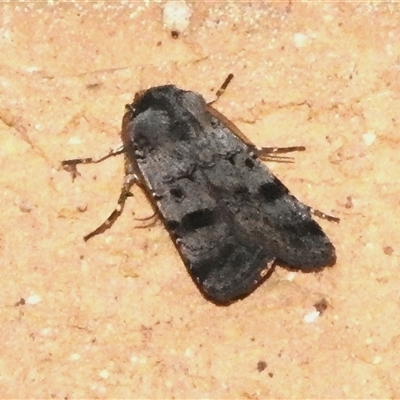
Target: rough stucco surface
<point>118,316</point>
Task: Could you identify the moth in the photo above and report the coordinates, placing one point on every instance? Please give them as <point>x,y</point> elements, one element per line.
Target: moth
<point>230,218</point>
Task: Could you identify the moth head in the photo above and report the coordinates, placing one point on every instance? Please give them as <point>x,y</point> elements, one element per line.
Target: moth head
<point>146,122</point>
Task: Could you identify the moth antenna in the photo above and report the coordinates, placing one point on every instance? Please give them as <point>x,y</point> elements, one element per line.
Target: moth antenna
<point>222,89</point>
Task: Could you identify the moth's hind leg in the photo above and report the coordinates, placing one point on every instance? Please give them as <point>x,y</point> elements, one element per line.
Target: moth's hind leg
<point>322,215</point>
<point>273,153</point>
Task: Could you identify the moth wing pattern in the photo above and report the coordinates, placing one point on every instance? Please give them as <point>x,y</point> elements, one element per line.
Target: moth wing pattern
<point>229,216</point>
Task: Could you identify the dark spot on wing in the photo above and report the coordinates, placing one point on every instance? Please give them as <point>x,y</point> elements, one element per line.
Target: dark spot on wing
<point>197,219</point>
<point>241,190</point>
<point>249,163</point>
<point>231,159</point>
<point>171,224</point>
<point>177,193</point>
<point>272,191</point>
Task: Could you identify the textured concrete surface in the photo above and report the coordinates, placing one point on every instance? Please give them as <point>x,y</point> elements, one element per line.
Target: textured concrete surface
<point>119,317</point>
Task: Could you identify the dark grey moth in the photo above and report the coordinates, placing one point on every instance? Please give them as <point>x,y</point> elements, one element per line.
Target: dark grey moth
<point>229,216</point>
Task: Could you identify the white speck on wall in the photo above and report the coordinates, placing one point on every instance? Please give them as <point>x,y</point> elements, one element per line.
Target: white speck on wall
<point>46,332</point>
<point>75,140</point>
<point>369,138</point>
<point>377,360</point>
<point>33,300</point>
<point>300,40</point>
<point>176,16</point>
<point>311,316</point>
<point>290,276</point>
<point>75,356</point>
<point>104,374</point>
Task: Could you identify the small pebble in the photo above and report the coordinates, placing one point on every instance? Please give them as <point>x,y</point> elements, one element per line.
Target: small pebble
<point>176,17</point>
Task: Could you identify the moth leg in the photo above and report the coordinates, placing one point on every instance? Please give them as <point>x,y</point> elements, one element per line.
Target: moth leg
<point>265,153</point>
<point>152,220</point>
<point>70,165</point>
<point>129,181</point>
<point>222,89</point>
<point>322,215</point>
<point>147,218</point>
<point>272,153</point>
